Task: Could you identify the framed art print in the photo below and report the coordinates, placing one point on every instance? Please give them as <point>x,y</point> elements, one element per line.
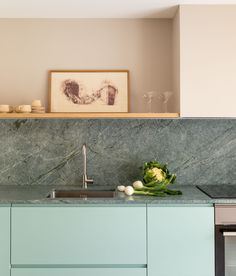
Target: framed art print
<point>89,91</point>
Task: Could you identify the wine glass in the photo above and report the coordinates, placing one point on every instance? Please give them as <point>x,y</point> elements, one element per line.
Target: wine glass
<point>149,96</point>
<point>164,97</point>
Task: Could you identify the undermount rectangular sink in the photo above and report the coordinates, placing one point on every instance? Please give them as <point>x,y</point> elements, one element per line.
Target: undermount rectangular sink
<point>81,194</point>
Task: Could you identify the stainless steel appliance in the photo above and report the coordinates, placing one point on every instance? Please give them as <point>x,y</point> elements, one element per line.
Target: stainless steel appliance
<point>225,240</point>
<point>225,228</point>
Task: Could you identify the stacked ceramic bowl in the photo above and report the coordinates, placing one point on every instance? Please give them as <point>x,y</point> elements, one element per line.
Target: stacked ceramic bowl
<point>24,108</point>
<point>5,108</point>
<point>37,107</point>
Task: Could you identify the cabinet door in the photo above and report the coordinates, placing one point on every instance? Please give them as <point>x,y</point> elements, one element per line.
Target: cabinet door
<point>5,241</point>
<point>78,235</point>
<point>180,241</point>
<point>207,60</point>
<point>79,272</point>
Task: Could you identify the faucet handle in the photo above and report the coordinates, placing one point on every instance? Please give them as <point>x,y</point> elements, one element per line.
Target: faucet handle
<point>90,181</point>
<point>86,181</point>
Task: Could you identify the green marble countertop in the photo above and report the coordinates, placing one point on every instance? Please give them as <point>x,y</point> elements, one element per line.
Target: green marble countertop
<point>38,195</point>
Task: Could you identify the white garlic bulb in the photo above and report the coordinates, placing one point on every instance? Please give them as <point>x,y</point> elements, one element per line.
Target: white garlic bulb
<point>138,184</point>
<point>121,188</point>
<point>129,190</point>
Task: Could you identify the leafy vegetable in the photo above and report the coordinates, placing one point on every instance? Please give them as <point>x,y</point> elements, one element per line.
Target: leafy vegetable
<point>156,178</point>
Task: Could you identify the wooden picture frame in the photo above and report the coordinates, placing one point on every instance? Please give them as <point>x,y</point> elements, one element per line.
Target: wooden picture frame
<point>89,91</point>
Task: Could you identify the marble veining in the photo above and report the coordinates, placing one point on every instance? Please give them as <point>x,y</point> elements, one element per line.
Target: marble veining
<point>48,152</point>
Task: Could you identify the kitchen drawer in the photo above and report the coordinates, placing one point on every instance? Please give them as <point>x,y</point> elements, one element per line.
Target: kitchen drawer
<point>78,235</point>
<point>225,214</point>
<point>5,241</point>
<point>79,272</point>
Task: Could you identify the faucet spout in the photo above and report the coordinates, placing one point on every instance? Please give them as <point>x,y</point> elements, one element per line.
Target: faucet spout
<point>86,180</point>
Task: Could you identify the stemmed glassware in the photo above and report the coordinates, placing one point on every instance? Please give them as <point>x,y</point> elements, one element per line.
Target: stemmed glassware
<point>164,98</point>
<point>149,96</point>
<point>152,96</point>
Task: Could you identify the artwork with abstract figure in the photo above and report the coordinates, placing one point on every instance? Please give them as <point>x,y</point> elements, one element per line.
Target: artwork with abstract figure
<point>111,94</point>
<point>89,91</point>
<point>71,90</point>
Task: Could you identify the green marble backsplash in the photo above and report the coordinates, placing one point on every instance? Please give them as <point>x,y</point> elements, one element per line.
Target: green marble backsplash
<point>48,152</point>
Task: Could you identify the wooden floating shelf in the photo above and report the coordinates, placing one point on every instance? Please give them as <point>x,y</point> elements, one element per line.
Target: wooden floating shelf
<point>61,115</point>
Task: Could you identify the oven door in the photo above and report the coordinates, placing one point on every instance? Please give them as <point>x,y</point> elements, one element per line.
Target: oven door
<point>225,240</point>
<point>225,247</point>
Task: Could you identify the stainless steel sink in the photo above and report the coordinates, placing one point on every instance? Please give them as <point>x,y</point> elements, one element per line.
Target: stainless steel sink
<point>81,194</point>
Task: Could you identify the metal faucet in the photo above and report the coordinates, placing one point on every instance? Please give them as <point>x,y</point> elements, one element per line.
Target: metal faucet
<point>86,180</point>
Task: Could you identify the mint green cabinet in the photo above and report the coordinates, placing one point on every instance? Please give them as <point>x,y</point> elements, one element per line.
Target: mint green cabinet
<point>79,272</point>
<point>180,241</point>
<point>96,235</point>
<point>108,241</point>
<point>5,241</point>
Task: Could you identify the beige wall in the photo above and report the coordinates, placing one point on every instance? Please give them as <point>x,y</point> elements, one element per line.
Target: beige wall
<point>31,47</point>
<point>208,60</point>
